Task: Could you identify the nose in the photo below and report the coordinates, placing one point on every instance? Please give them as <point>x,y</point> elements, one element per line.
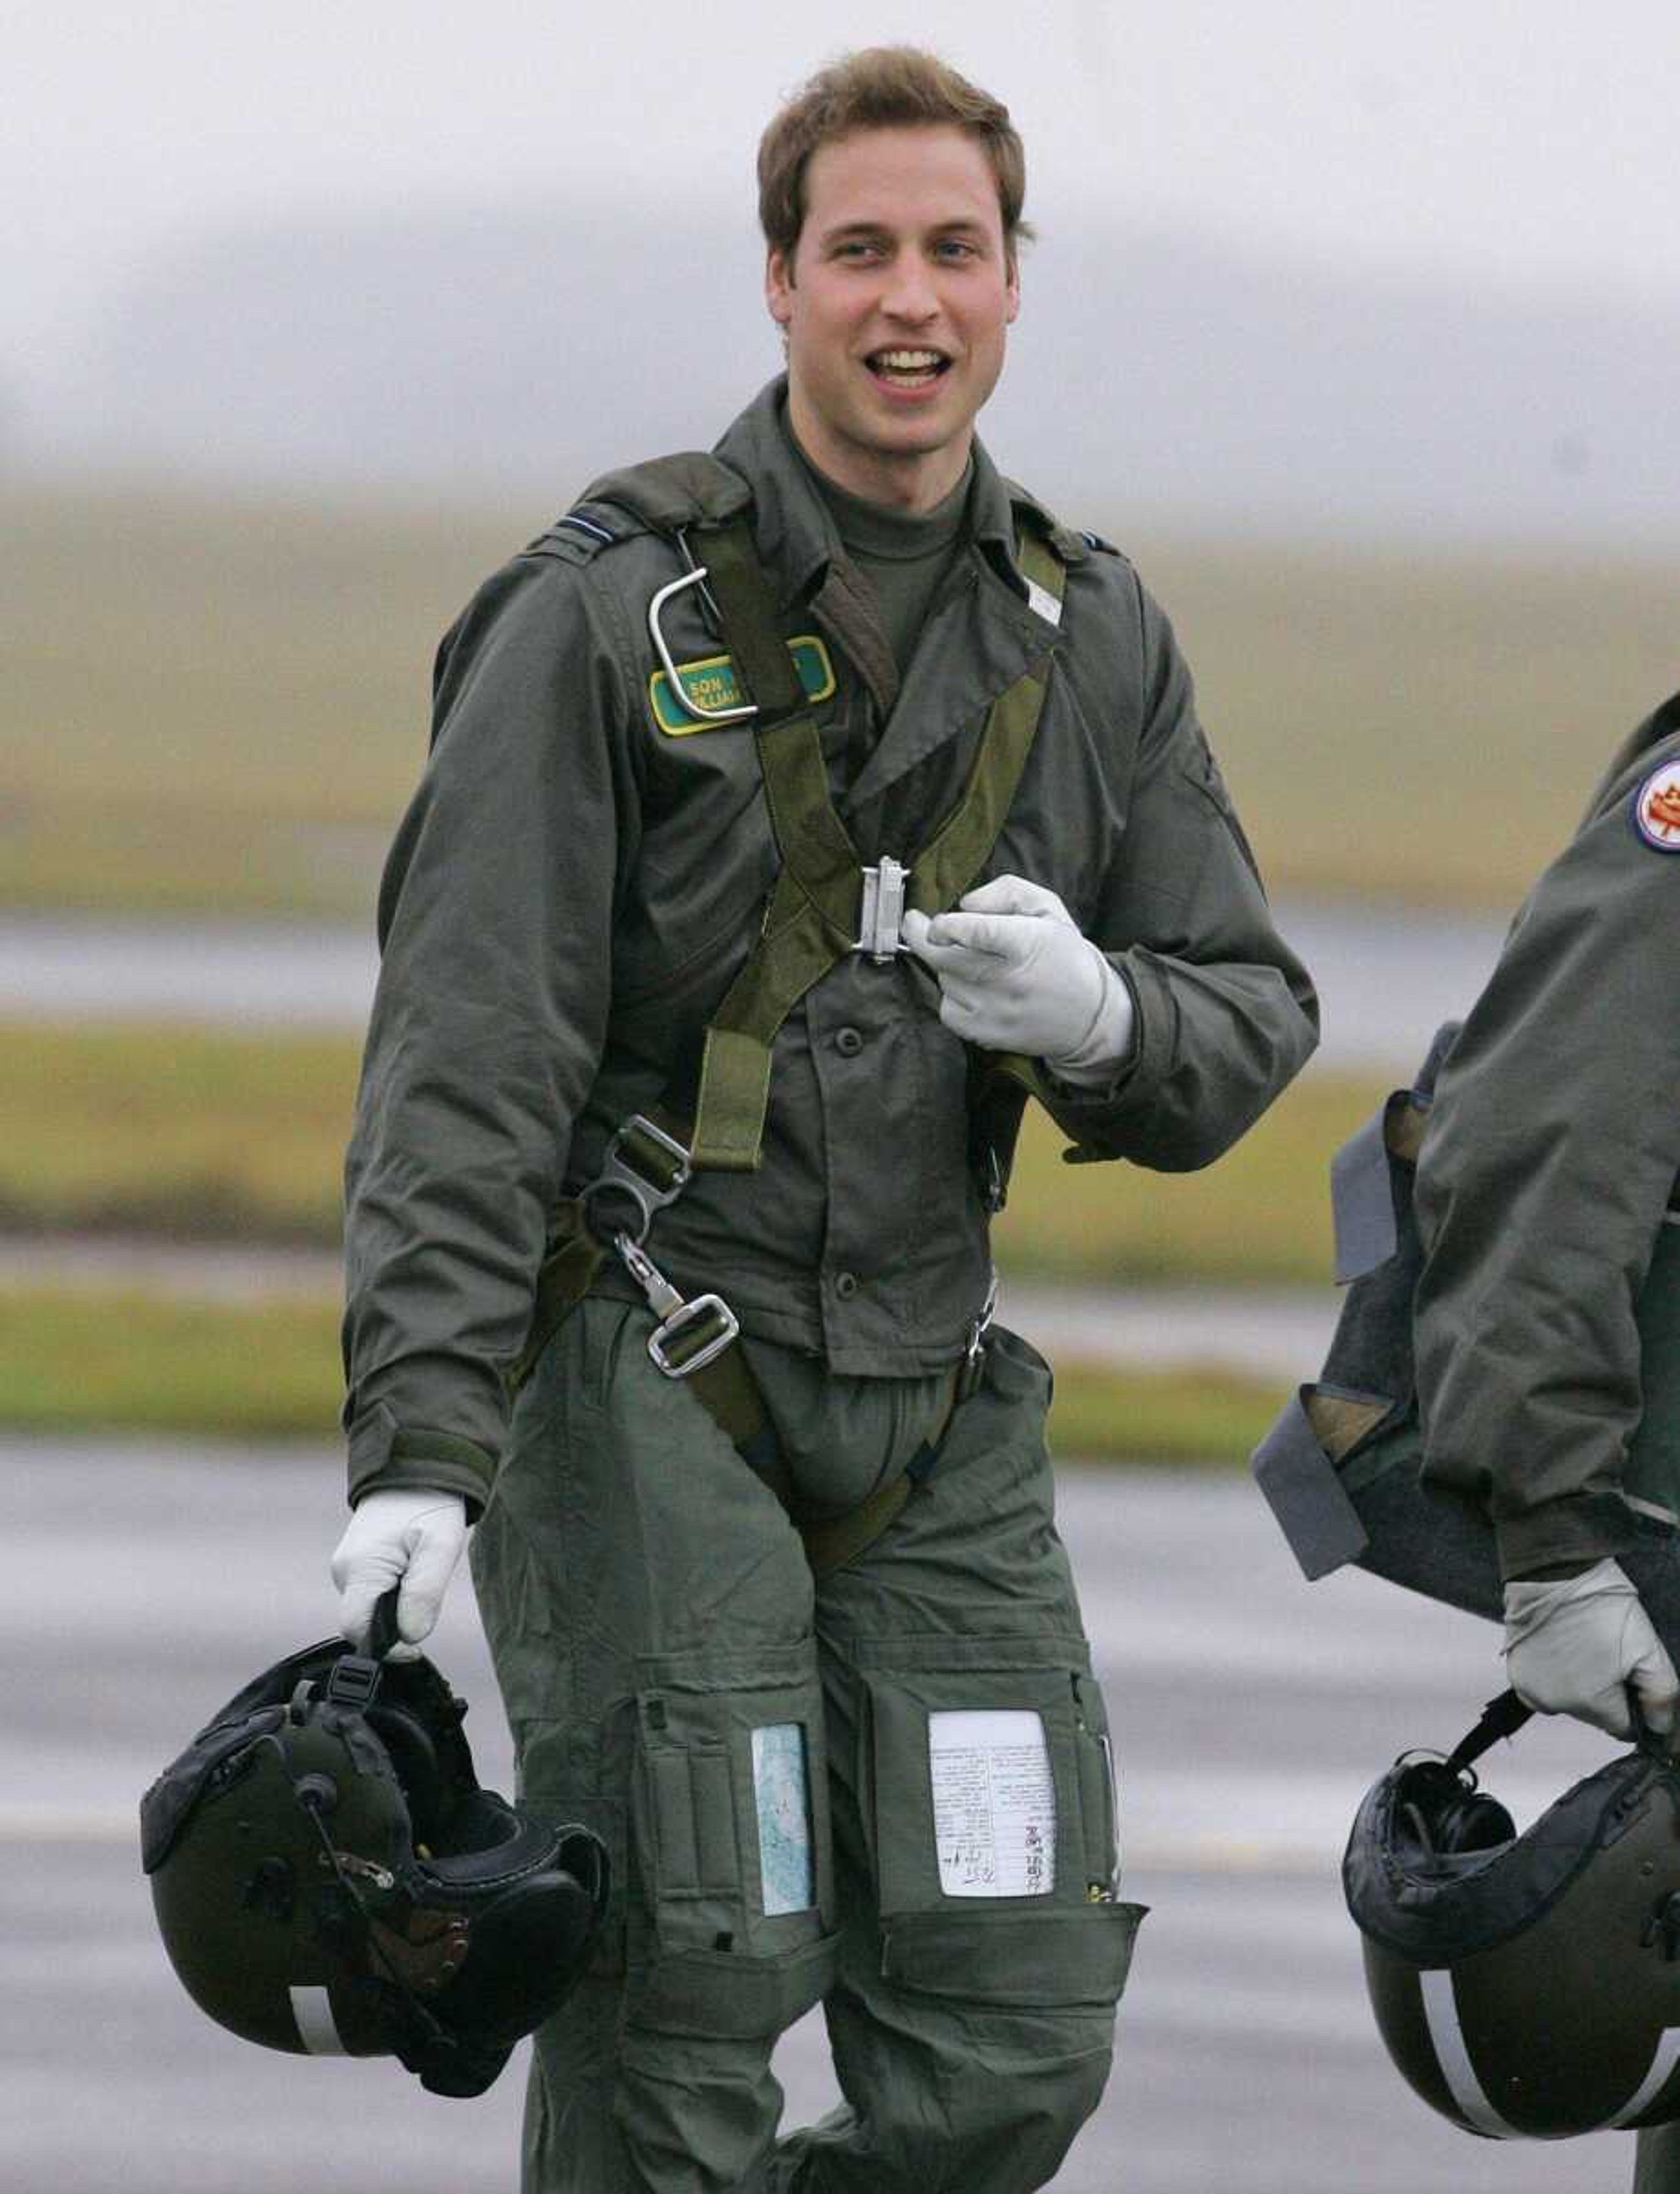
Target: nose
<point>910,296</point>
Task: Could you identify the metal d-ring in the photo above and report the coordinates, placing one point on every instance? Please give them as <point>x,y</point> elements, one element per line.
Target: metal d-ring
<point>694,576</point>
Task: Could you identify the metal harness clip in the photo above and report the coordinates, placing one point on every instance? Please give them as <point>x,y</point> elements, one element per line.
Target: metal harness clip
<point>973,1363</point>
<point>617,1173</point>
<point>883,908</point>
<point>694,577</point>
<point>678,1318</point>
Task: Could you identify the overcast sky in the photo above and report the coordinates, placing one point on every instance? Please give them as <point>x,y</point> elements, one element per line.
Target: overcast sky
<point>1532,142</point>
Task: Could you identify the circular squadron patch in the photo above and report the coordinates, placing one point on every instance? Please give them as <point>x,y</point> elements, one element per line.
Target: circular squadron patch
<point>1656,809</point>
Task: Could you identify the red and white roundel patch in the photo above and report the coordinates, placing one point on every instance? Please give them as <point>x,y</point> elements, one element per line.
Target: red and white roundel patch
<point>1656,809</point>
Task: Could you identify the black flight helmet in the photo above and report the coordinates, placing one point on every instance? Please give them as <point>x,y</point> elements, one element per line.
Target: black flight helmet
<point>1525,1985</point>
<point>330,1879</point>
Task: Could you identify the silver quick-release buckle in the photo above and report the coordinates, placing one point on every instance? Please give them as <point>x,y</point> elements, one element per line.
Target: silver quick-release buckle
<point>883,911</point>
<point>680,1344</point>
<point>618,1174</point>
<point>974,1365</point>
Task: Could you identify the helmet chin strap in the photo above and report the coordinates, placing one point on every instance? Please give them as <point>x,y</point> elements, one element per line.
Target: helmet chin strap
<point>1501,1717</point>
<point>1504,1716</point>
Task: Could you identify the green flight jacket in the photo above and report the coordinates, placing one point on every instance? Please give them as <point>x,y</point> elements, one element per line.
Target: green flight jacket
<point>1546,1169</point>
<point>575,885</point>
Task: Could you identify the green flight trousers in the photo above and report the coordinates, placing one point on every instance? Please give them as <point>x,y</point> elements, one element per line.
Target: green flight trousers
<point>1656,2168</point>
<point>890,1791</point>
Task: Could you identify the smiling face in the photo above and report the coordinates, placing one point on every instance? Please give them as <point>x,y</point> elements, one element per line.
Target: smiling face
<point>895,306</point>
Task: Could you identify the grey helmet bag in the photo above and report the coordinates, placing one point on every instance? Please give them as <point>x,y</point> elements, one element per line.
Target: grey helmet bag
<point>1342,1466</point>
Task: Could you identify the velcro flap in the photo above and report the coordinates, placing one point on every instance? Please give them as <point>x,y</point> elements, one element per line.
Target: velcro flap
<point>1362,1200</point>
<point>370,1442</point>
<point>1052,1959</point>
<point>1312,1506</point>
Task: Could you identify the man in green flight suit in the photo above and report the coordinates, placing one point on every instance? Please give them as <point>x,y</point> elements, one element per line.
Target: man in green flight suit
<point>1547,1180</point>
<point>792,814</point>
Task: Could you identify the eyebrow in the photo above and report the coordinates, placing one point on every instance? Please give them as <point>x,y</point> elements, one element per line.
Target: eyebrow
<point>958,225</point>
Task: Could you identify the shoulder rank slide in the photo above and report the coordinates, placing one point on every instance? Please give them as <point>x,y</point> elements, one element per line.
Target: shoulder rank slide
<point>592,528</point>
<point>578,537</point>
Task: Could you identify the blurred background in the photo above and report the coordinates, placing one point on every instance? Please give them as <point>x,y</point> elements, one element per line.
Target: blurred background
<point>1356,327</point>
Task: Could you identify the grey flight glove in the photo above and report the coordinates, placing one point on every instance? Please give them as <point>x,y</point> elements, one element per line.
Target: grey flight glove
<point>412,1538</point>
<point>1573,1645</point>
<point>1015,974</point>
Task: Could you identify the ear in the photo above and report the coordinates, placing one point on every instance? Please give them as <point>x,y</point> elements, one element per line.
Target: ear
<point>1013,293</point>
<point>778,287</point>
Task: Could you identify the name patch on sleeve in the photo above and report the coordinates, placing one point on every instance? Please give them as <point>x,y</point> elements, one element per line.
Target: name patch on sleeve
<point>712,683</point>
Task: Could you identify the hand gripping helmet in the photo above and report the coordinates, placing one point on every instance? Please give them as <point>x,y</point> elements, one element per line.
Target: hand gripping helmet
<point>330,1879</point>
<point>1525,1985</point>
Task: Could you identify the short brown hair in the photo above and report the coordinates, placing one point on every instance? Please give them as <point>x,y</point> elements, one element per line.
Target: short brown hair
<point>882,87</point>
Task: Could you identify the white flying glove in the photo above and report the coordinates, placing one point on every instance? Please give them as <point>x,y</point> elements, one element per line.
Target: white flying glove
<point>1573,1645</point>
<point>416,1537</point>
<point>1015,974</point>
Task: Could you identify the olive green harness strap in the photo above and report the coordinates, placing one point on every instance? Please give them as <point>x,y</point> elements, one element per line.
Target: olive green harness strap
<point>813,919</point>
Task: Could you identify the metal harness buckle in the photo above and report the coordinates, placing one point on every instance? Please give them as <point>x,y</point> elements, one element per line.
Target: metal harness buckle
<point>677,1317</point>
<point>883,908</point>
<point>973,1363</point>
<point>617,1173</point>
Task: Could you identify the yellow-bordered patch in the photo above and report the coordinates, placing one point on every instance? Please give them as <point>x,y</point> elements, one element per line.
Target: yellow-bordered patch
<point>712,681</point>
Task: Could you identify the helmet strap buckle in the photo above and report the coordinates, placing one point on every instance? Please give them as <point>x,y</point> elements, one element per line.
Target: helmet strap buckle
<point>352,1681</point>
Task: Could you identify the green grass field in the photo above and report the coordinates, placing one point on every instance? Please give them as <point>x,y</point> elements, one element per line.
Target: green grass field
<point>195,1133</point>
<point>90,1361</point>
<point>174,1131</point>
<point>214,705</point>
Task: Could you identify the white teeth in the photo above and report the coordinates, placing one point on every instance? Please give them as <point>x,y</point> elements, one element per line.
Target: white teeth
<point>910,361</point>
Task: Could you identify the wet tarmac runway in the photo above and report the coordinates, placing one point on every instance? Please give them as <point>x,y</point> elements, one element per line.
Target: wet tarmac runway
<point>1387,976</point>
<point>143,1583</point>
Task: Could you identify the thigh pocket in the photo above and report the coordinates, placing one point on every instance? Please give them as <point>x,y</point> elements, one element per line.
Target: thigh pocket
<point>728,1996</point>
<point>730,1823</point>
<point>992,1816</point>
<point>1054,1960</point>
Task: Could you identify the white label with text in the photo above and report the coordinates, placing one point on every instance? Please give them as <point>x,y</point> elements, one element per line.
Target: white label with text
<point>994,1802</point>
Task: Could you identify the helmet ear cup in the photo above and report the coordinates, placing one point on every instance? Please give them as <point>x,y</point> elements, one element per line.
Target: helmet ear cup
<point>414,1757</point>
<point>529,1938</point>
<point>1439,1813</point>
<point>1473,1823</point>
